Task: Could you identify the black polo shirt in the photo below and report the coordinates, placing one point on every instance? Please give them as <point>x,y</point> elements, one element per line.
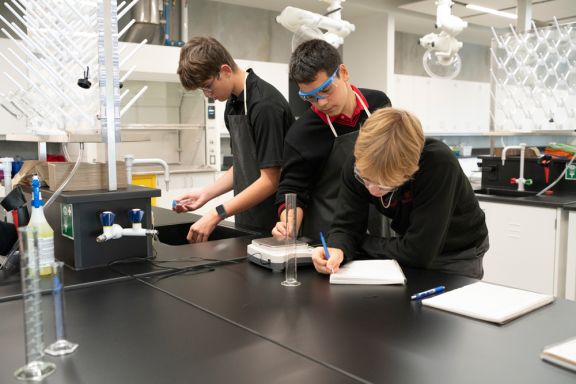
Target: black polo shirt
<point>269,115</point>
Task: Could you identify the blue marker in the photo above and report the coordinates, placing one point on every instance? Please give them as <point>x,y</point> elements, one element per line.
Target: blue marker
<point>323,240</point>
<point>430,292</point>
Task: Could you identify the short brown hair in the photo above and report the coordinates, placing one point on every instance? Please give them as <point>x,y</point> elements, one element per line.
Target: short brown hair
<point>312,57</point>
<point>389,146</point>
<point>200,59</point>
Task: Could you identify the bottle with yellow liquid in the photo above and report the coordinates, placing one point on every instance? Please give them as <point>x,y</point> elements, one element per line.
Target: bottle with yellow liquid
<point>45,232</point>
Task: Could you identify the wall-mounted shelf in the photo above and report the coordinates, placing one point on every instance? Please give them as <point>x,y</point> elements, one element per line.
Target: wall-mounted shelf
<point>162,127</point>
<point>440,134</point>
<point>74,138</point>
<point>550,132</point>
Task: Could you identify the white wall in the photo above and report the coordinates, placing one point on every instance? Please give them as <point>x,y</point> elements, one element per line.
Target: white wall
<point>8,123</point>
<point>368,52</point>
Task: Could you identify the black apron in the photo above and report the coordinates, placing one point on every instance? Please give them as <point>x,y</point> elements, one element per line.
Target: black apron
<point>319,214</point>
<point>246,170</point>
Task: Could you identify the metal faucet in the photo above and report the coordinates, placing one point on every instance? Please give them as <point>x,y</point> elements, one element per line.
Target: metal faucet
<point>520,181</point>
<point>129,160</point>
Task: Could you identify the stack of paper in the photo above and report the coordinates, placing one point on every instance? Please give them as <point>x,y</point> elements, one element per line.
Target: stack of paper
<point>489,302</point>
<point>563,354</point>
<point>369,272</point>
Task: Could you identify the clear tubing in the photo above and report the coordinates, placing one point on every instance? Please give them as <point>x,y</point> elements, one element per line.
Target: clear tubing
<point>290,241</point>
<point>35,369</point>
<point>61,346</point>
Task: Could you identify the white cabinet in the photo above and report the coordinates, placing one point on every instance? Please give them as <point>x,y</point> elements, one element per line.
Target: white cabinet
<point>571,257</point>
<point>527,247</point>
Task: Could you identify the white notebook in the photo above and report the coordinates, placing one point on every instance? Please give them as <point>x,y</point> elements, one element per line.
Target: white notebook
<point>563,354</point>
<point>489,302</point>
<point>369,272</point>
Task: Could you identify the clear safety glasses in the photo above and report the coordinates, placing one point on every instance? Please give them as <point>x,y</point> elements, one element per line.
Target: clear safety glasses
<point>368,183</point>
<point>321,92</point>
<point>209,89</point>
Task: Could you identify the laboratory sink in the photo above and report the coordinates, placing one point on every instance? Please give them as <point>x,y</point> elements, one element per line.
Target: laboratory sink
<point>175,234</point>
<point>504,192</point>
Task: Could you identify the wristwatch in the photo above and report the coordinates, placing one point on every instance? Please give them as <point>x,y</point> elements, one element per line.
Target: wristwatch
<point>221,211</point>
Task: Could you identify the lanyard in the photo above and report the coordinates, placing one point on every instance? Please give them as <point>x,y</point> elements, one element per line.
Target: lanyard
<point>363,106</point>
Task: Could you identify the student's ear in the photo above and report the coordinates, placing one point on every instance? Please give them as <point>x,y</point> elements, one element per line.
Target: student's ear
<point>343,73</point>
<point>226,70</point>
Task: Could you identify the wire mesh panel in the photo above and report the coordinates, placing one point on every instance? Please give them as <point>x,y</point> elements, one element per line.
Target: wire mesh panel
<point>534,79</point>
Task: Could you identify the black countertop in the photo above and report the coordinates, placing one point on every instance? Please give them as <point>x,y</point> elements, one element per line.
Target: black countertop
<point>130,333</point>
<point>235,322</point>
<point>239,324</point>
<point>376,332</point>
<point>565,200</point>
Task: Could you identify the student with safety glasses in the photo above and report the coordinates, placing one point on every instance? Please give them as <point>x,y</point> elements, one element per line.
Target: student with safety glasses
<point>320,140</point>
<point>419,185</point>
<point>257,117</point>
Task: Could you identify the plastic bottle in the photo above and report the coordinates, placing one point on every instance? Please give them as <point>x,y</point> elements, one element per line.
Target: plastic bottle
<point>45,232</point>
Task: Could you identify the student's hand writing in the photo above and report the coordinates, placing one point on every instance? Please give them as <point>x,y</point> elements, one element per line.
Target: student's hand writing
<point>200,230</point>
<point>191,201</point>
<point>327,266</point>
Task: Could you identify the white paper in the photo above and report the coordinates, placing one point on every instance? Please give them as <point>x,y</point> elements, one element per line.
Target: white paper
<point>563,354</point>
<point>369,272</point>
<point>489,302</point>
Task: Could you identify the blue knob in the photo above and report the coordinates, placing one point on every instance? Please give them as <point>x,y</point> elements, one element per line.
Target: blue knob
<point>107,218</point>
<point>135,215</point>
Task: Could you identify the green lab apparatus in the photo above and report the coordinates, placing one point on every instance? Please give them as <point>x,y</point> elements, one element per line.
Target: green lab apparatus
<point>45,232</point>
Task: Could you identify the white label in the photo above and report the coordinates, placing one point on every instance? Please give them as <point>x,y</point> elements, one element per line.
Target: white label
<point>45,251</point>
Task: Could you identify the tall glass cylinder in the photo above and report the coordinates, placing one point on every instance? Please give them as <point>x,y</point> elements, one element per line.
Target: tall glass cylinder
<point>290,241</point>
<point>35,369</point>
<point>61,346</point>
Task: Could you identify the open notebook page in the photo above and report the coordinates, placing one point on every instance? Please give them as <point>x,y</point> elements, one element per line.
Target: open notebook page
<point>369,272</point>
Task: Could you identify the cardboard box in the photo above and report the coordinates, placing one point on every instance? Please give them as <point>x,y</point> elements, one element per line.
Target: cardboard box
<point>89,176</point>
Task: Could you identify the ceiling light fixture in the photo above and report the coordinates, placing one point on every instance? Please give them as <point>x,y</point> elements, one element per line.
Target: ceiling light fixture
<point>480,8</point>
<point>308,25</point>
<point>441,58</point>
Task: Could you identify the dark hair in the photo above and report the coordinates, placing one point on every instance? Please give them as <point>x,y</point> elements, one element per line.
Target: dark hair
<point>311,57</point>
<point>200,59</point>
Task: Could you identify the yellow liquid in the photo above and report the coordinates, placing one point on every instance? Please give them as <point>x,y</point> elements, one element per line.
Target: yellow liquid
<point>46,270</point>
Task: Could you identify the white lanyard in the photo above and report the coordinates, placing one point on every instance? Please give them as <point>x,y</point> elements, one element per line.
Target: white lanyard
<point>245,95</point>
<point>363,106</point>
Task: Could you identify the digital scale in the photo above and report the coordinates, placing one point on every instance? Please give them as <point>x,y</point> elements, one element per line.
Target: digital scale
<point>271,253</point>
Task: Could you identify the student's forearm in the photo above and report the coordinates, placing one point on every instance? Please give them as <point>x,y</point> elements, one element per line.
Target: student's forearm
<point>222,185</point>
<point>265,186</point>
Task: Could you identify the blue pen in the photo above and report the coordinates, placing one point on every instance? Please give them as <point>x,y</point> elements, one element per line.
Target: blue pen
<point>326,253</point>
<point>323,240</point>
<point>430,292</point>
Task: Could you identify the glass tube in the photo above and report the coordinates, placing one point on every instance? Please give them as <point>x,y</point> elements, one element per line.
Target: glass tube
<point>35,369</point>
<point>61,346</point>
<point>290,241</point>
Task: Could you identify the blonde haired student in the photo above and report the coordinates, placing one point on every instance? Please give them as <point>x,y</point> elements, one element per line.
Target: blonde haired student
<point>419,185</point>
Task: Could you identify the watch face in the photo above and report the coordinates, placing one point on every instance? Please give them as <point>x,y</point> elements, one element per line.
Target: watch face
<point>221,211</point>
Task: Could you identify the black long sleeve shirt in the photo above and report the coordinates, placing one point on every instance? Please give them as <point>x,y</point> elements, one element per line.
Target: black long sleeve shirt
<point>308,145</point>
<point>435,213</point>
